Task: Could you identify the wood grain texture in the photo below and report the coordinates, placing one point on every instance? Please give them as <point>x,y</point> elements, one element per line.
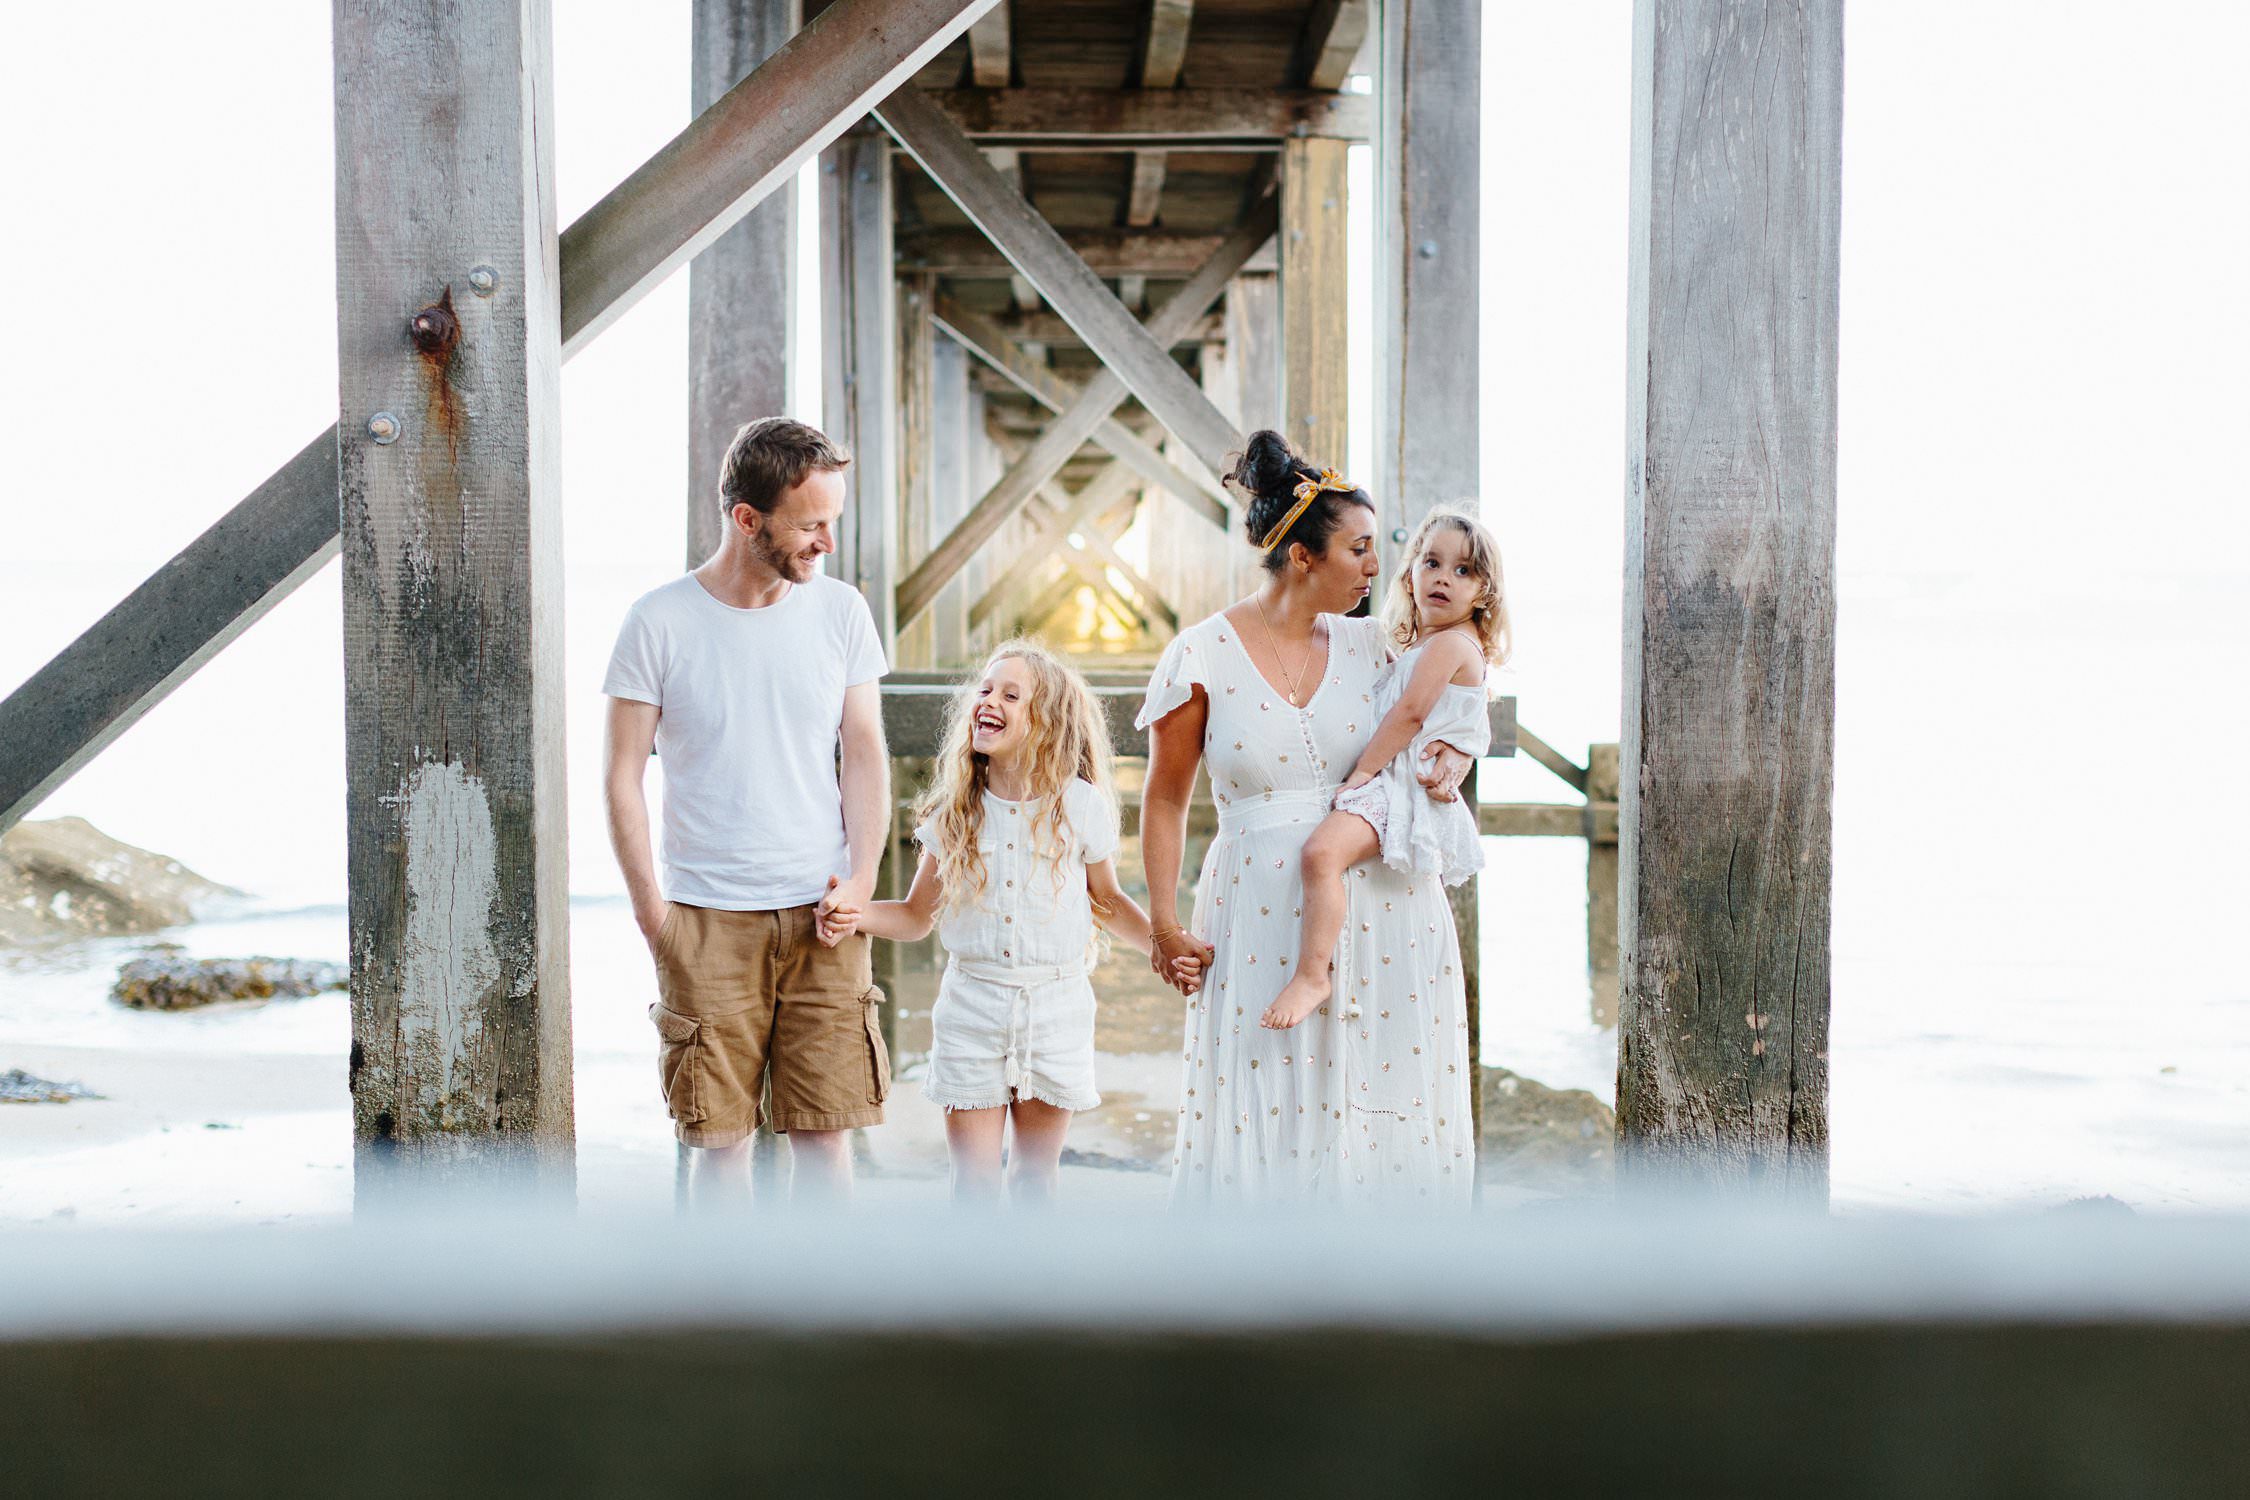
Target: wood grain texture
<point>1334,31</point>
<point>1315,286</point>
<point>858,314</point>
<point>990,64</point>
<point>700,184</point>
<point>1058,393</point>
<point>916,348</point>
<point>1159,118</point>
<point>1164,48</point>
<point>1427,416</point>
<point>1100,396</point>
<point>1034,248</point>
<point>452,548</point>
<point>950,445</point>
<point>742,287</point>
<point>1011,591</point>
<point>1144,197</point>
<point>1730,608</point>
<point>1602,951</point>
<point>1124,250</point>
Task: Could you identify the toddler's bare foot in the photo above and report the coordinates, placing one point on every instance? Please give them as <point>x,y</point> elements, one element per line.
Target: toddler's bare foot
<point>1299,998</point>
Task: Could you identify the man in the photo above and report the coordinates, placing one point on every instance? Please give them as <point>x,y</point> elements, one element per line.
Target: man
<point>743,677</point>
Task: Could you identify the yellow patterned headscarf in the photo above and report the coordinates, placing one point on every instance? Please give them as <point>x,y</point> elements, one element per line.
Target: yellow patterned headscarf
<point>1308,489</point>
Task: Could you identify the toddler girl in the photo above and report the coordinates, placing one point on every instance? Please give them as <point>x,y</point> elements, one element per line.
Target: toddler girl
<point>1449,610</point>
<point>1018,833</point>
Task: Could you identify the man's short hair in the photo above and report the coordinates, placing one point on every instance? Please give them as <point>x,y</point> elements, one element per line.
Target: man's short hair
<point>770,457</point>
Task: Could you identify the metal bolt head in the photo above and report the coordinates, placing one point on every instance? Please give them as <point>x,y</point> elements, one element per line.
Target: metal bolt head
<point>483,280</point>
<point>1427,249</point>
<point>383,428</point>
<point>1398,536</point>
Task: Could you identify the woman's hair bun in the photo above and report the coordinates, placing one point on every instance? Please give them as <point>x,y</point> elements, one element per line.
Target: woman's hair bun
<point>1269,473</point>
<point>1267,467</point>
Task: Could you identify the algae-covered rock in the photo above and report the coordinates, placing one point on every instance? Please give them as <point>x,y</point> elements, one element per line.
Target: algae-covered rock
<point>1537,1136</point>
<point>63,878</point>
<point>168,980</point>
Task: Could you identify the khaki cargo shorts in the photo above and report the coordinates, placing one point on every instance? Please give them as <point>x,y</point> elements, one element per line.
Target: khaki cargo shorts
<point>743,993</point>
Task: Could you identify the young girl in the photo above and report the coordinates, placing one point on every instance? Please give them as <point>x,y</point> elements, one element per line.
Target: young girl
<point>1018,833</point>
<point>1449,610</point>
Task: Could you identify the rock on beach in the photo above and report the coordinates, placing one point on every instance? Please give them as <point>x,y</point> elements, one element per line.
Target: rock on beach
<point>63,879</point>
<point>173,981</point>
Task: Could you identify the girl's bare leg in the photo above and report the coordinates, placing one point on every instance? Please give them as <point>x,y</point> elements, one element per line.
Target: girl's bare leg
<point>1342,840</point>
<point>972,1140</point>
<point>1037,1158</point>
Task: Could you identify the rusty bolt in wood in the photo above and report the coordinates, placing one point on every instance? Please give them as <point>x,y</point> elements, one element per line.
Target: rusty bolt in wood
<point>383,428</point>
<point>434,329</point>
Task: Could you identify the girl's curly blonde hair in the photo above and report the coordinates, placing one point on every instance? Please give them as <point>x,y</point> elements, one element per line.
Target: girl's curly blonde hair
<point>1066,738</point>
<point>1488,616</point>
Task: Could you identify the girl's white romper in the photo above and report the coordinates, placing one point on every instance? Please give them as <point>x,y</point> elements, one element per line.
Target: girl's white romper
<point>1419,834</point>
<point>1015,1011</point>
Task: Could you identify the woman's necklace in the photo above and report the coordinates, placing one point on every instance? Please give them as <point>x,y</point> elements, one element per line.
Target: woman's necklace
<point>1275,647</point>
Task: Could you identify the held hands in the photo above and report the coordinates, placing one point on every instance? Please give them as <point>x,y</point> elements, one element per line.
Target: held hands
<point>837,916</point>
<point>1178,958</point>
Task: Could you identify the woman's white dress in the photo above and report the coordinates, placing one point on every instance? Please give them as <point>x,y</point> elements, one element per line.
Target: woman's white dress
<point>1419,834</point>
<point>1369,1110</point>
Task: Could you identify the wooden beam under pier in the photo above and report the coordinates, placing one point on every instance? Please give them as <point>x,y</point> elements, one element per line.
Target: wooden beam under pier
<point>1100,396</point>
<point>256,555</point>
<point>859,333</point>
<point>1166,119</point>
<point>1730,578</point>
<point>1111,252</point>
<point>1065,281</point>
<point>742,289</point>
<point>1057,394</point>
<point>449,345</point>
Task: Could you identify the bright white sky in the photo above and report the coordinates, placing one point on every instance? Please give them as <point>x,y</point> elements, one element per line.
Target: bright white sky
<point>2044,309</point>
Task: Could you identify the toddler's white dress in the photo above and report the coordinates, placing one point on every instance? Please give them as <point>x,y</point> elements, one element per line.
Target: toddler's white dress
<point>1420,835</point>
<point>1014,1017</point>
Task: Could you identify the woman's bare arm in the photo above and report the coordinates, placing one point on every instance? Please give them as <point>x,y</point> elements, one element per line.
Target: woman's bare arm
<point>1441,661</point>
<point>1175,746</point>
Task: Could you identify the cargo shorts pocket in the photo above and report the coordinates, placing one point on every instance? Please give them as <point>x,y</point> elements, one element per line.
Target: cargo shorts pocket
<point>679,1062</point>
<point>871,1006</point>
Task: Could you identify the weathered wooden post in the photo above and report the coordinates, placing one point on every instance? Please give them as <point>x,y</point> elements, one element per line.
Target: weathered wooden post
<point>1601,882</point>
<point>1427,418</point>
<point>450,353</point>
<point>1315,279</point>
<point>742,288</point>
<point>1730,606</point>
<point>858,313</point>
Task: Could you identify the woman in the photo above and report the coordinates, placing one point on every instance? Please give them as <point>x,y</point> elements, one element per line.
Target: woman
<point>1369,1098</point>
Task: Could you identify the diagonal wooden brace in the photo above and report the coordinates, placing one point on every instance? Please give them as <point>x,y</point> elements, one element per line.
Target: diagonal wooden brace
<point>985,339</point>
<point>698,186</point>
<point>1032,245</point>
<point>1096,400</point>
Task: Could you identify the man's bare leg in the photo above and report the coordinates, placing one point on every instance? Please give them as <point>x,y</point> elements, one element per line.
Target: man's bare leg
<point>718,1177</point>
<point>820,1165</point>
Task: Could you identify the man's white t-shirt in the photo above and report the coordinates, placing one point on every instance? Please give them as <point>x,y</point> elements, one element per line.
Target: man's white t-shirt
<point>753,702</point>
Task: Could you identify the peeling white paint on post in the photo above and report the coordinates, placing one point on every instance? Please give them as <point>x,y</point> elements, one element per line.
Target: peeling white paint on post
<point>449,327</point>
<point>447,965</point>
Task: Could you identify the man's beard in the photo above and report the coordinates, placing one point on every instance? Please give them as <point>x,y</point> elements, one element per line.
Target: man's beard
<point>788,564</point>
